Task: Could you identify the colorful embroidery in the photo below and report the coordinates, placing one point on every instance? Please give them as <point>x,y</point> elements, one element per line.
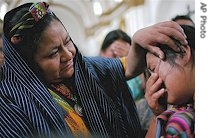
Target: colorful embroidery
<point>74,121</point>
<point>38,10</point>
<point>176,123</point>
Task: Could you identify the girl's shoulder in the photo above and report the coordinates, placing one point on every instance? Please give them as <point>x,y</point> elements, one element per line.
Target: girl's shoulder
<point>181,122</point>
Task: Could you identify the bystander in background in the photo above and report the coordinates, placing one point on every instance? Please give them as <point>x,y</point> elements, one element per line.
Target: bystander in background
<point>117,44</point>
<point>183,20</point>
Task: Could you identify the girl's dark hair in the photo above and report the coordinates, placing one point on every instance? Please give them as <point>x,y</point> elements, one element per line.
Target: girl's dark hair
<point>171,54</point>
<point>113,36</point>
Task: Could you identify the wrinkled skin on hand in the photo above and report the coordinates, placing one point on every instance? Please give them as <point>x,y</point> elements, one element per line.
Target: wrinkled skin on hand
<point>160,33</point>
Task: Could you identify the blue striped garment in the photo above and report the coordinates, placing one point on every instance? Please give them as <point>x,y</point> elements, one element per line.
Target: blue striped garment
<point>28,110</point>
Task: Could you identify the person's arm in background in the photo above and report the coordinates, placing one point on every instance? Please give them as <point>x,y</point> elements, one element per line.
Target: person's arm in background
<point>147,39</point>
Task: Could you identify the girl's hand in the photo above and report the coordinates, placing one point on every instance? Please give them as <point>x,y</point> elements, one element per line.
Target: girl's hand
<point>154,93</point>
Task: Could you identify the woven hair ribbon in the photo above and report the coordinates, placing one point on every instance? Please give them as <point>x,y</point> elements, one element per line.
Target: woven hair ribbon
<point>29,19</point>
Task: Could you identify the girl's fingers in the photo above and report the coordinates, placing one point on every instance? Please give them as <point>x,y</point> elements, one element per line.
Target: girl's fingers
<point>153,84</point>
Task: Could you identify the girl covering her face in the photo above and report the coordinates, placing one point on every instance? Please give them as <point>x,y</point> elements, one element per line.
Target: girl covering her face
<point>177,71</point>
<point>172,81</point>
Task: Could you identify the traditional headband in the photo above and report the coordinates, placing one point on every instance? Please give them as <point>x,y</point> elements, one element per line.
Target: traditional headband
<point>28,20</point>
<point>38,10</point>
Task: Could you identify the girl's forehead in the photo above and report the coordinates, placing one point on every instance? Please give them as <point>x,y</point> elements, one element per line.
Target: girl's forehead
<point>150,58</point>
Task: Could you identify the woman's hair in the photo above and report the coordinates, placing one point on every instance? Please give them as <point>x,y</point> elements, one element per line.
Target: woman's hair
<point>171,54</point>
<point>113,36</point>
<point>20,22</point>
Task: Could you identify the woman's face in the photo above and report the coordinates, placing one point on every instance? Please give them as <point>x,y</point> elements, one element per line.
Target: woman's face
<point>55,53</point>
<point>177,79</point>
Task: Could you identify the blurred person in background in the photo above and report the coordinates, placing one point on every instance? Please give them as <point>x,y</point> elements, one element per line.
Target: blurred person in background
<point>183,20</point>
<point>117,44</point>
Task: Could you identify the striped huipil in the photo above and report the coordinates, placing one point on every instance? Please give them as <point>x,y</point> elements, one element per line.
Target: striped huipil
<point>27,109</point>
<point>176,122</point>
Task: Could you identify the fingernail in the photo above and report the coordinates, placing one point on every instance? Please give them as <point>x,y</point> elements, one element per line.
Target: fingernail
<point>158,55</point>
<point>184,33</point>
<point>161,57</point>
<point>162,90</point>
<point>186,41</point>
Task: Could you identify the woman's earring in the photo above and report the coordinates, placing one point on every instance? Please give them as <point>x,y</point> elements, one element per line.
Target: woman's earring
<point>16,40</point>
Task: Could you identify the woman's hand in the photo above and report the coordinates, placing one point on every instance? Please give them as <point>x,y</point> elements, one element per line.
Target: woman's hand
<point>160,33</point>
<point>148,38</point>
<point>154,93</point>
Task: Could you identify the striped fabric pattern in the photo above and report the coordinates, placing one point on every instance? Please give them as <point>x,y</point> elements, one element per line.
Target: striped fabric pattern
<point>28,109</point>
<point>27,104</point>
<point>110,107</point>
<point>176,123</point>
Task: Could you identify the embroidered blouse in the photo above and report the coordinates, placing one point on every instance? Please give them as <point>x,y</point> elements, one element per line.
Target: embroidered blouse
<point>72,118</point>
<point>176,122</point>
